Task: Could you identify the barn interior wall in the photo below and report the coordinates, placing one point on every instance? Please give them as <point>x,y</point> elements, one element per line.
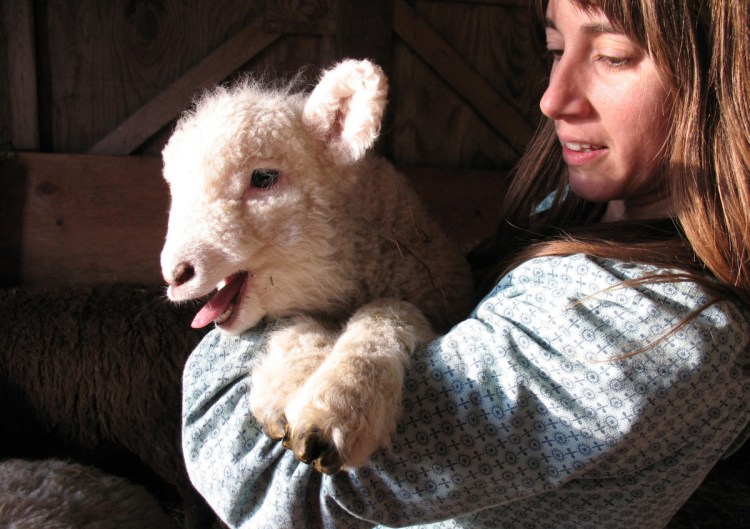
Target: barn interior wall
<point>83,78</point>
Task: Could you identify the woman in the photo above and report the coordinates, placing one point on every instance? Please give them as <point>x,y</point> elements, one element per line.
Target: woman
<point>605,372</point>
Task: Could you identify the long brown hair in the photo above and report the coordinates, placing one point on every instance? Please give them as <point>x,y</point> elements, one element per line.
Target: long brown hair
<point>702,49</point>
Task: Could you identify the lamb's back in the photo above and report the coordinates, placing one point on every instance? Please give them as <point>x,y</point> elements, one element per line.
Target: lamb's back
<point>400,251</point>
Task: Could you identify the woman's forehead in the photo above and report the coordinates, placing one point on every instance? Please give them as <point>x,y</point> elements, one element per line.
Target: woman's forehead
<point>617,16</point>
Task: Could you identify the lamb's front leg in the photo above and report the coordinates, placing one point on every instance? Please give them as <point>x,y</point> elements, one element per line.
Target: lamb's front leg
<point>349,406</point>
<point>293,352</point>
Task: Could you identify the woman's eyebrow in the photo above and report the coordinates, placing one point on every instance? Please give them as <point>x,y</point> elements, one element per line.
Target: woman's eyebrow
<point>589,29</point>
<point>599,27</point>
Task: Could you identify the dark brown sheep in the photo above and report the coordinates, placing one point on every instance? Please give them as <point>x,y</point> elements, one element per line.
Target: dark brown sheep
<point>93,374</point>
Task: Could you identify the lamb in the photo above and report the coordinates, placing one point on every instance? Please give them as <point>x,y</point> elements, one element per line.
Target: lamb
<point>276,200</point>
<point>57,494</point>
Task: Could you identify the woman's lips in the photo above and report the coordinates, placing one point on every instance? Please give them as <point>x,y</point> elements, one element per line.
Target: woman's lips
<point>579,153</point>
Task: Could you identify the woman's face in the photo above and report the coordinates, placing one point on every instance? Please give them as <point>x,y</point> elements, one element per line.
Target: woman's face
<point>611,110</point>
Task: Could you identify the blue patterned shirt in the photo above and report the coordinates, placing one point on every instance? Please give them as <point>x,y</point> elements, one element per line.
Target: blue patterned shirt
<point>530,414</point>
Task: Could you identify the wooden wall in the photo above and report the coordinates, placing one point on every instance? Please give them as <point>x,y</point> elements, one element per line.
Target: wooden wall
<point>84,77</point>
<point>109,77</point>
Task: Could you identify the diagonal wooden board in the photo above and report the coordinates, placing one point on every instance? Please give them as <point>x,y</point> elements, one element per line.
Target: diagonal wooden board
<point>214,68</point>
<point>439,54</point>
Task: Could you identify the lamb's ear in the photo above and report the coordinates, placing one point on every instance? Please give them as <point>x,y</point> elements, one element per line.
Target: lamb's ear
<point>345,109</point>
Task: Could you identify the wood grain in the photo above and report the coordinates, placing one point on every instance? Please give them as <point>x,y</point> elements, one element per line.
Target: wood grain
<point>433,123</point>
<point>307,17</point>
<point>434,126</point>
<point>215,67</point>
<point>89,219</point>
<point>102,61</point>
<point>497,42</point>
<point>20,50</point>
<point>455,71</point>
<point>99,63</point>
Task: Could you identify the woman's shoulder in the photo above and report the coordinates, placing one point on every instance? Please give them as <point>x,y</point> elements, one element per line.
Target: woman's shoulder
<point>582,267</point>
<point>581,284</point>
<point>587,274</point>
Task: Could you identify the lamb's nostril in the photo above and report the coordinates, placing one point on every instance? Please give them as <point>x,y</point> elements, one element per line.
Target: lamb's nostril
<point>182,274</point>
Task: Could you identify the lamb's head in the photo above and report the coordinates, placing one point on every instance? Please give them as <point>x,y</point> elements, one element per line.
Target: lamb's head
<point>258,179</point>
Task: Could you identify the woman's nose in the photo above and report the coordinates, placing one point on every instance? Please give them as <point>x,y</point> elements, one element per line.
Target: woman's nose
<point>565,97</point>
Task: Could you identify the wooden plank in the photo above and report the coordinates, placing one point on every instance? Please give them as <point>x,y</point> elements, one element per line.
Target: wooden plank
<point>18,25</point>
<point>303,17</point>
<point>435,125</point>
<point>428,44</point>
<point>12,200</point>
<point>99,62</point>
<point>497,42</point>
<point>89,219</point>
<point>84,219</point>
<point>214,68</point>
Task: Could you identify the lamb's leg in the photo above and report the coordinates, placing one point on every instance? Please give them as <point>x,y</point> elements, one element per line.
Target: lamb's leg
<point>292,354</point>
<point>348,407</point>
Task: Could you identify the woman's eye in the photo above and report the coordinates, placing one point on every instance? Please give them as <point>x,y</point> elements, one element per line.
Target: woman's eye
<point>554,55</point>
<point>264,178</point>
<point>615,62</point>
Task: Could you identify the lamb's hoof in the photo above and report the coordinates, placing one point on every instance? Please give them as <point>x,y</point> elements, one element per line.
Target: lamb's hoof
<point>310,448</point>
<point>277,430</point>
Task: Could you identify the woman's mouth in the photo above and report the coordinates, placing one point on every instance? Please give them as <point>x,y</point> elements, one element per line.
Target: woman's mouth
<point>581,147</point>
<point>579,153</point>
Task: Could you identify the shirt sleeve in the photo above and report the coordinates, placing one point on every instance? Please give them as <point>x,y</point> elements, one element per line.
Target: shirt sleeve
<point>560,378</point>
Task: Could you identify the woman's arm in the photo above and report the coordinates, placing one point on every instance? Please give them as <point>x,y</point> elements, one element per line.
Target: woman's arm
<point>534,393</point>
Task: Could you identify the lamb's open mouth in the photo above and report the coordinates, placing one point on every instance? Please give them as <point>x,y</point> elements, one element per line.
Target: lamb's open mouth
<point>221,306</point>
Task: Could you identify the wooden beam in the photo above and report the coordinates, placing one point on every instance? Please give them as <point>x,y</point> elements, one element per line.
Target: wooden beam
<point>438,53</point>
<point>12,202</point>
<point>18,24</point>
<point>214,68</point>
<point>87,218</point>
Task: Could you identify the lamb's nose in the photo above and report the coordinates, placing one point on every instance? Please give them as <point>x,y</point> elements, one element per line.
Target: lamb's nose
<point>182,273</point>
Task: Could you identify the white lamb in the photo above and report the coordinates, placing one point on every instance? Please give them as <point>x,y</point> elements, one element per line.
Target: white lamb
<point>275,200</point>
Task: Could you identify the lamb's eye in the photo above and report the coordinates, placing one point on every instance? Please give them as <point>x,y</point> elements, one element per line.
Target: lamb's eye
<point>264,178</point>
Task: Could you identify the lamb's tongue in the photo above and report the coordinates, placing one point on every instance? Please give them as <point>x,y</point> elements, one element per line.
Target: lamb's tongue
<point>219,303</point>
